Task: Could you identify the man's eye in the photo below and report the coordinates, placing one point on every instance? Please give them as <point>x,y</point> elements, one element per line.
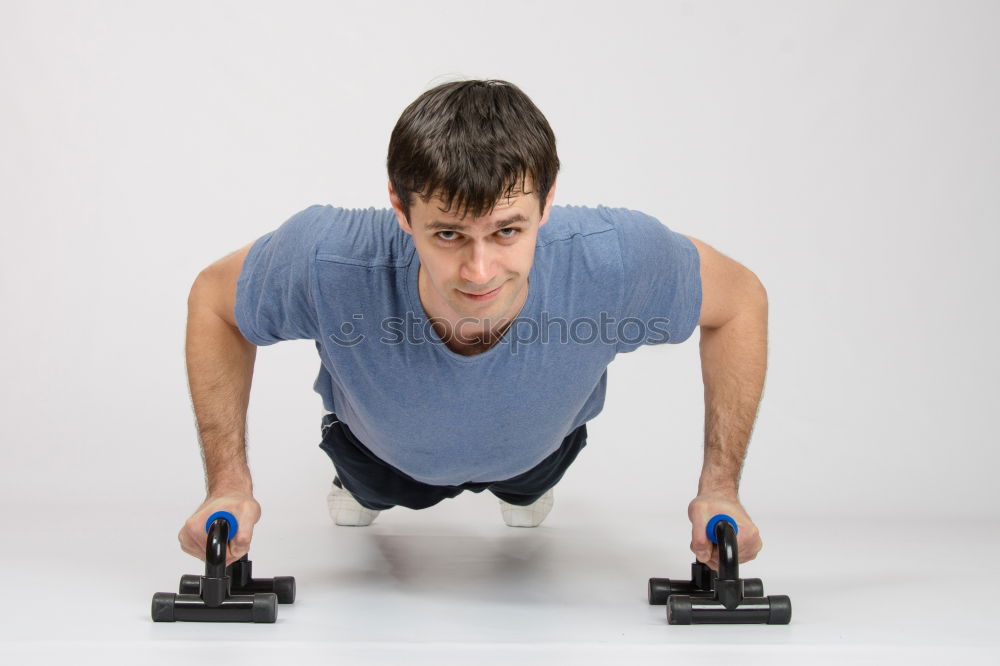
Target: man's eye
<point>506,233</point>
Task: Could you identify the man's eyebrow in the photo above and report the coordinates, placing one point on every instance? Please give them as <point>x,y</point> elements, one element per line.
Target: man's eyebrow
<point>451,226</point>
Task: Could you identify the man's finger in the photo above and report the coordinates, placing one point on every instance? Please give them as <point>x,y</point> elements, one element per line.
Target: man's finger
<point>700,545</point>
<point>240,544</point>
<point>704,553</point>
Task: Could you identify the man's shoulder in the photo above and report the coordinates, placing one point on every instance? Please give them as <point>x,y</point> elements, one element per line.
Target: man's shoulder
<point>361,237</point>
<point>566,222</point>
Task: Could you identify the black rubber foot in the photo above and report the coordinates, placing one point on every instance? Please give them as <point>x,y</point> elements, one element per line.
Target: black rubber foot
<point>265,607</point>
<point>163,606</point>
<point>284,587</point>
<point>679,609</point>
<point>781,609</point>
<point>190,584</point>
<point>659,590</point>
<point>753,587</point>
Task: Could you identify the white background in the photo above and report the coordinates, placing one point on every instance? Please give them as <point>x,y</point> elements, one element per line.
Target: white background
<point>846,152</point>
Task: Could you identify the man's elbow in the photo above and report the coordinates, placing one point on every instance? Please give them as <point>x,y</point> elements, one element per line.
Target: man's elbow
<point>214,290</point>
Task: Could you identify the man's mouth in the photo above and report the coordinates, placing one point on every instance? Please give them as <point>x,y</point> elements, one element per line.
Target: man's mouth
<point>482,296</point>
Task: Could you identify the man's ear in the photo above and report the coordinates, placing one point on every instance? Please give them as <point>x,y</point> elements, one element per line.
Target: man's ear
<point>397,206</point>
<point>549,198</point>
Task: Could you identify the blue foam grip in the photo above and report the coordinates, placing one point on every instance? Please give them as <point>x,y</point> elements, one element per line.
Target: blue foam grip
<point>234,526</point>
<point>710,529</point>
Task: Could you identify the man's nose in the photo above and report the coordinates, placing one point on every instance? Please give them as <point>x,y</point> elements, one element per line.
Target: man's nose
<point>478,265</point>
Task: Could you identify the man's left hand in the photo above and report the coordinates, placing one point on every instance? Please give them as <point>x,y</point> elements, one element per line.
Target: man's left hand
<point>702,509</point>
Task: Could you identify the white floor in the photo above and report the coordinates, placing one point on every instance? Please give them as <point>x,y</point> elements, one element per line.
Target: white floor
<point>453,583</point>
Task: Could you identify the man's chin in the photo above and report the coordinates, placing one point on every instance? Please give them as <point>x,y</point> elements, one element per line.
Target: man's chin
<point>476,316</point>
<point>479,316</point>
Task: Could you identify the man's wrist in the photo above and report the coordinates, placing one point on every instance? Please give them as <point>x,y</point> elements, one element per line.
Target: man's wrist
<point>236,484</point>
<point>718,487</point>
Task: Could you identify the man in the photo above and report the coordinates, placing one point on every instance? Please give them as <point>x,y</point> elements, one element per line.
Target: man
<point>464,334</point>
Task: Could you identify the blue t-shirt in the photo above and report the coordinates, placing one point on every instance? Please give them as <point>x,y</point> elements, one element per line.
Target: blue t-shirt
<point>604,281</point>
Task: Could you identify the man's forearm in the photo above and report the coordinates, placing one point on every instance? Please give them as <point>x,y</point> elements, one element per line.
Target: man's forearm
<point>220,370</point>
<point>733,365</point>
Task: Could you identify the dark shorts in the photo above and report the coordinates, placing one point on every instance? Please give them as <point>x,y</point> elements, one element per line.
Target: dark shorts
<point>379,486</point>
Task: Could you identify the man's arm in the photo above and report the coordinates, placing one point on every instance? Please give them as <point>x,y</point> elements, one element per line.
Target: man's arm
<point>220,367</point>
<point>220,364</point>
<point>733,362</point>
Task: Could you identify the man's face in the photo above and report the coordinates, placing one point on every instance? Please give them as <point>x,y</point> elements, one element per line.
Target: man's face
<point>475,269</point>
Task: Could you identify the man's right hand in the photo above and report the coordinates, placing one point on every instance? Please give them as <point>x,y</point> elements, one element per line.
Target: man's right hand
<point>194,538</point>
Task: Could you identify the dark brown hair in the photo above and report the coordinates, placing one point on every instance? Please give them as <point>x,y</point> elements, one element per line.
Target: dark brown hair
<point>471,143</point>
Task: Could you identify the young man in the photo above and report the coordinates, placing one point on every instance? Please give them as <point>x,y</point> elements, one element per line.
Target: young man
<point>464,333</point>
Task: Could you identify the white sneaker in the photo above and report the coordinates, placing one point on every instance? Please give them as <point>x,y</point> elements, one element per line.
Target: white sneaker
<point>528,516</point>
<point>345,510</point>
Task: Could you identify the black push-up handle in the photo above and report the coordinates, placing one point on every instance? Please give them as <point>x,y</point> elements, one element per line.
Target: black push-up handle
<point>723,597</point>
<point>224,594</point>
<point>702,584</point>
<point>241,581</point>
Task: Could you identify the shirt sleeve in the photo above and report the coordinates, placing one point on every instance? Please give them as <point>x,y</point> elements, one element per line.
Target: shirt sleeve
<point>661,286</point>
<point>276,291</point>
